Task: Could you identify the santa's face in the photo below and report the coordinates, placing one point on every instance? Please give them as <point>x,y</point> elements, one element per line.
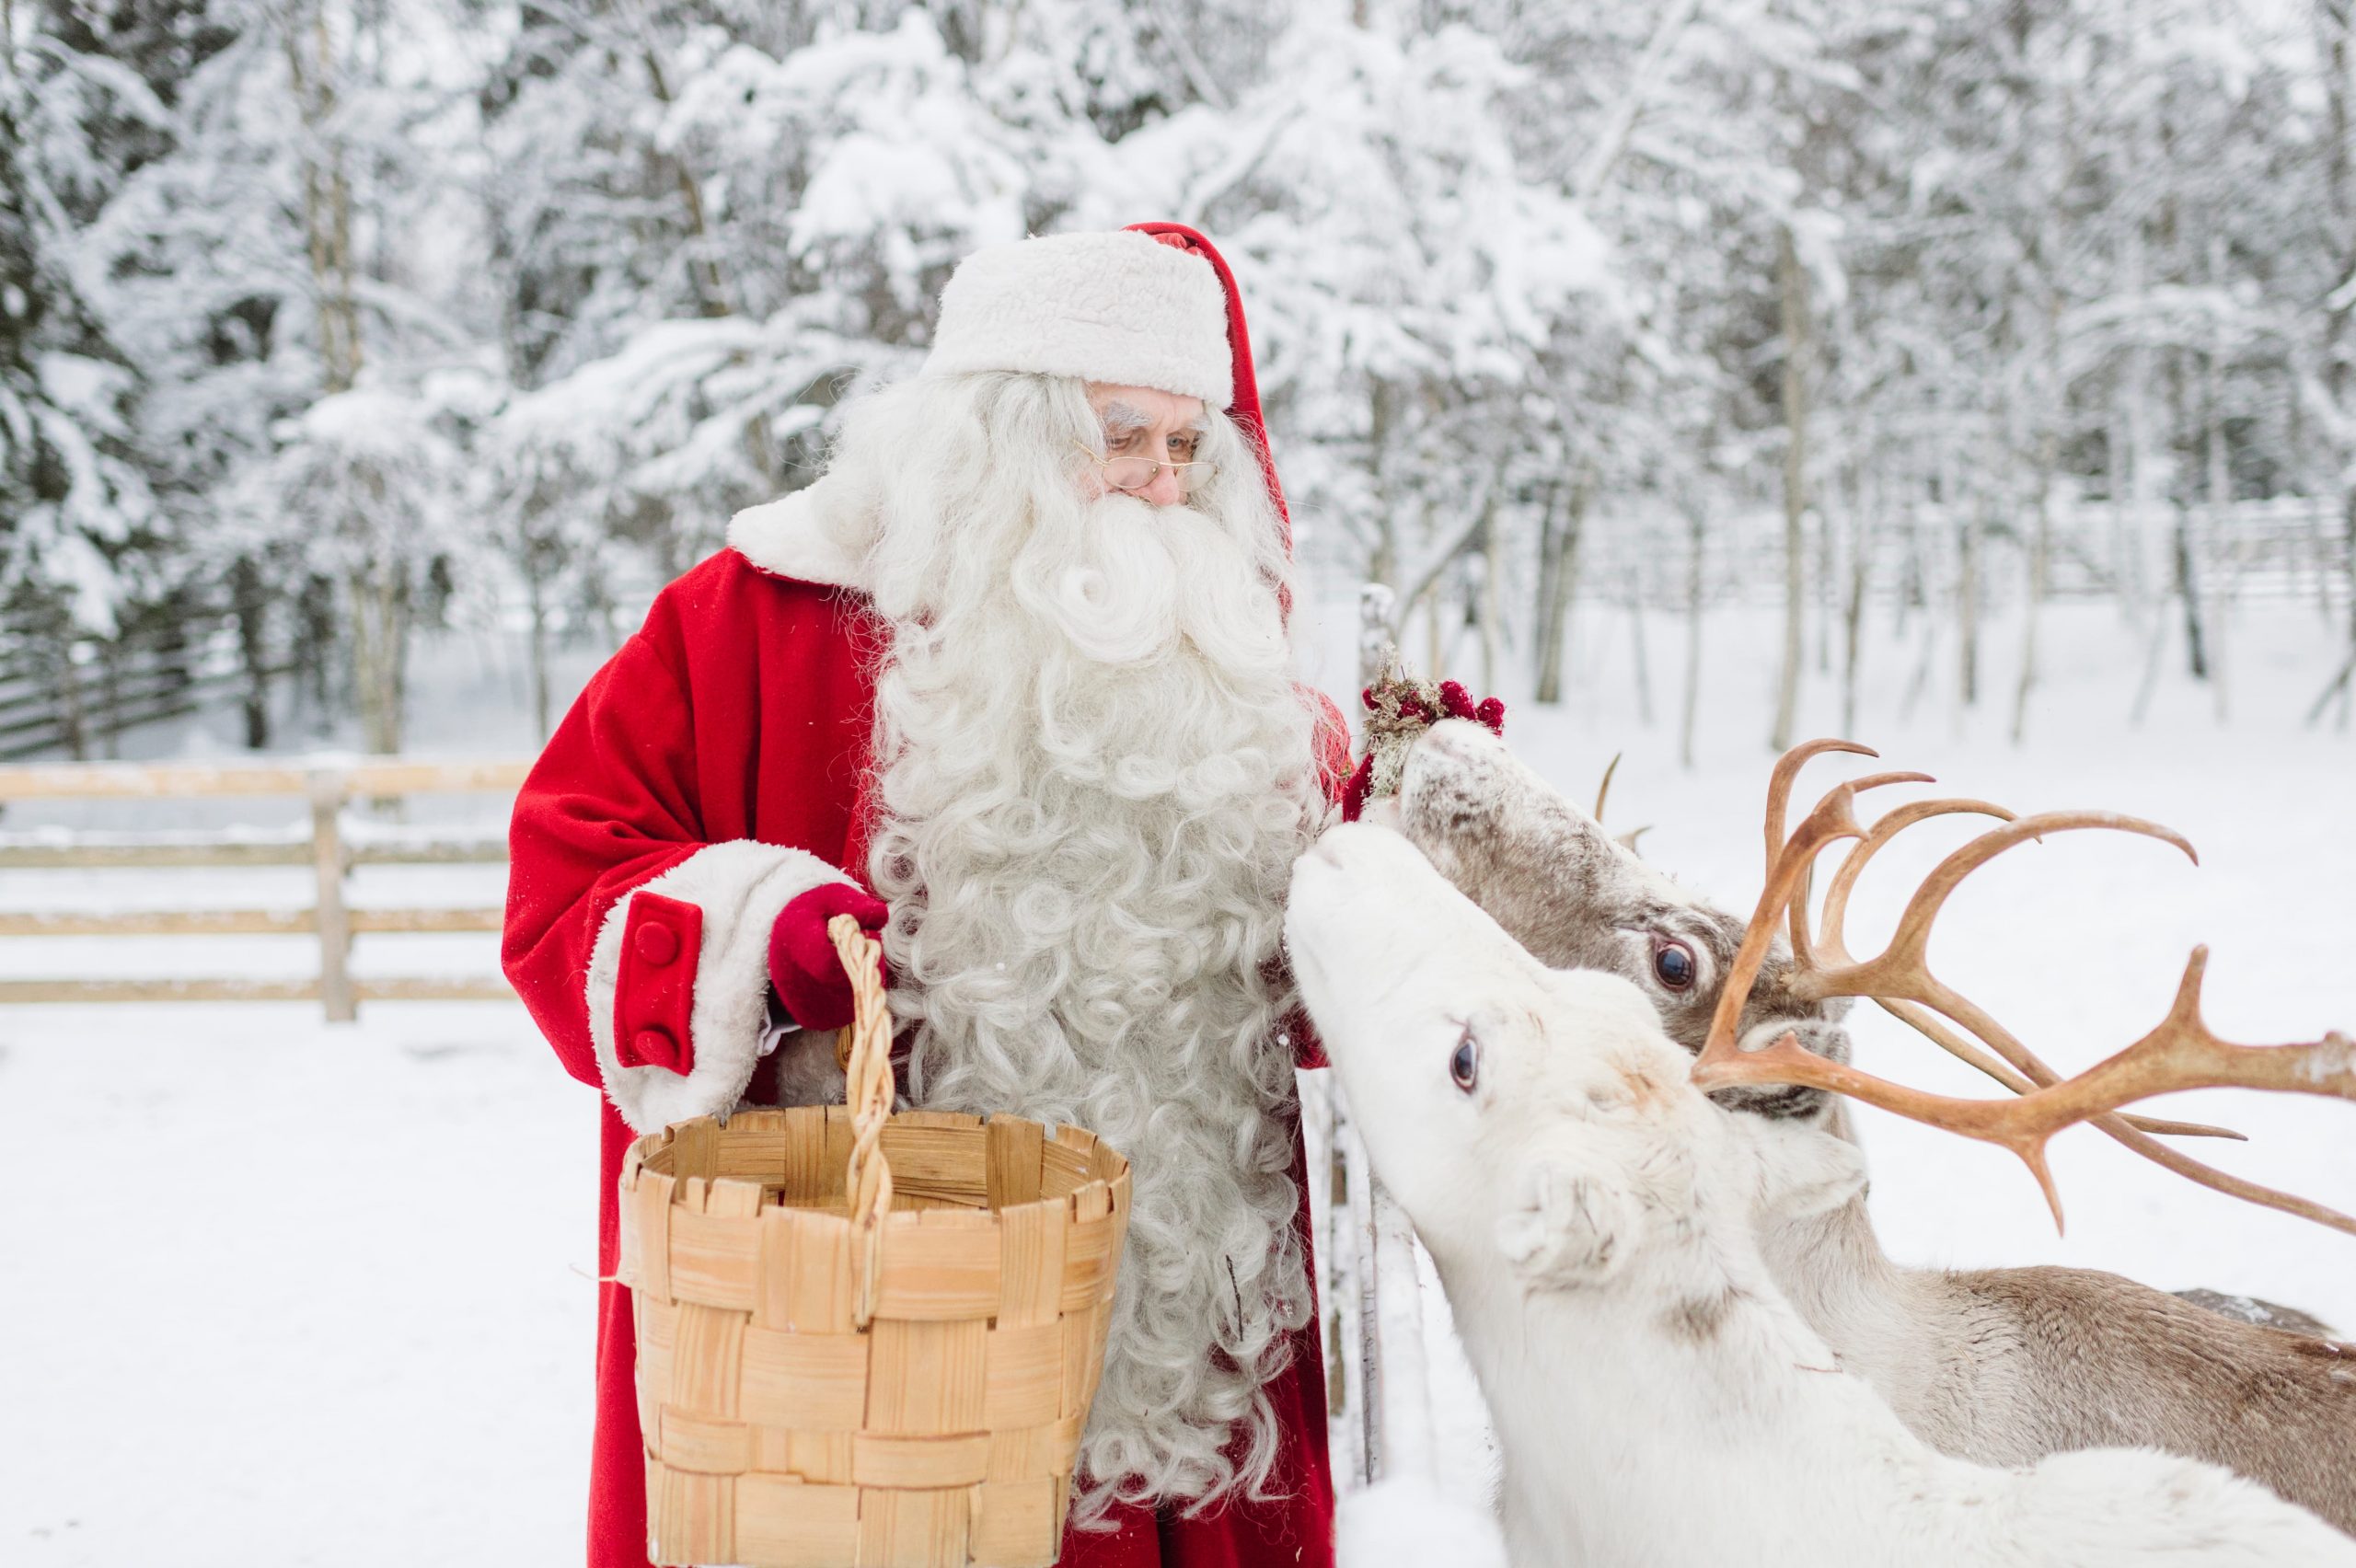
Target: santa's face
<point>1152,444</point>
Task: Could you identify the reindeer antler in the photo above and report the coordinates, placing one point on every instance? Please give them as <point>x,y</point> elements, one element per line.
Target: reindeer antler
<point>2181,1054</point>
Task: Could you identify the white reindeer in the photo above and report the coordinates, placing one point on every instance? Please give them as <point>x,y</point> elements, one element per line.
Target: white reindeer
<point>1658,1401</point>
<point>2000,1366</point>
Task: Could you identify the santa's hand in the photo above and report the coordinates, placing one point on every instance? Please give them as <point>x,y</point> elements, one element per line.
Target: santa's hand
<point>802,964</point>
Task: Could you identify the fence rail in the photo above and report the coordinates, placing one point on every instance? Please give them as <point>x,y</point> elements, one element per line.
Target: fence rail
<point>328,784</point>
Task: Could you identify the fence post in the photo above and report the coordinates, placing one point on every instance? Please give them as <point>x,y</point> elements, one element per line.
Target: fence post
<point>335,920</point>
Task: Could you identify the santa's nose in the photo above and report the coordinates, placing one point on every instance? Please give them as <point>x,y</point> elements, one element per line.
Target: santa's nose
<point>1166,489</point>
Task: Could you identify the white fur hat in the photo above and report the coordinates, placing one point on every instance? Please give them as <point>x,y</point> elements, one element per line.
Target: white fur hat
<point>1120,307</point>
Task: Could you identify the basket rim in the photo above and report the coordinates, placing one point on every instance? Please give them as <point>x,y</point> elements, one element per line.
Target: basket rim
<point>643,1148</point>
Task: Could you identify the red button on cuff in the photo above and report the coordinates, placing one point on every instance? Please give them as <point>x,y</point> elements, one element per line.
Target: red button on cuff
<point>654,985</point>
<point>656,1048</point>
<point>658,944</point>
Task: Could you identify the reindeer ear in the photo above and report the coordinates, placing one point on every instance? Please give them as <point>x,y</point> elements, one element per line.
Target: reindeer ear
<point>1565,1225</point>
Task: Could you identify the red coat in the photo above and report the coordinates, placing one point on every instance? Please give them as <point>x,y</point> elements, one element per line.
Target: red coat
<point>715,768</point>
<point>729,734</point>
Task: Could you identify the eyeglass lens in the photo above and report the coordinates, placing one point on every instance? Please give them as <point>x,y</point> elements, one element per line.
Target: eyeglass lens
<point>1136,473</point>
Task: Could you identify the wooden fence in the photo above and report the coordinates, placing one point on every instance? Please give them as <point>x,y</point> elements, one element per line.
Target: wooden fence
<point>326,848</point>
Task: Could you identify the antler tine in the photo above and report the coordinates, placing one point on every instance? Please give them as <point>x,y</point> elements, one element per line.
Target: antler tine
<point>1779,799</point>
<point>1803,942</point>
<point>1906,963</point>
<point>1832,938</point>
<point>2216,1181</point>
<point>1902,969</point>
<point>1886,827</point>
<point>2180,1053</point>
<point>1934,1029</point>
<point>1603,790</point>
<point>1779,786</point>
<point>1834,819</point>
<point>1910,943</point>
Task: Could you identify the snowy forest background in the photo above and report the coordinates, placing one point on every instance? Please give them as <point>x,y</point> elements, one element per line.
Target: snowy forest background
<point>1974,377</point>
<point>326,324</point>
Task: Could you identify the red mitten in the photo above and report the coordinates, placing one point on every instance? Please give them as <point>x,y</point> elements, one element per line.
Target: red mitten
<point>1353,793</point>
<point>803,965</point>
<point>1489,713</point>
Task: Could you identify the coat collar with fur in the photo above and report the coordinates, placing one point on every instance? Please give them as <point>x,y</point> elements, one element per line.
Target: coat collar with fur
<point>819,533</point>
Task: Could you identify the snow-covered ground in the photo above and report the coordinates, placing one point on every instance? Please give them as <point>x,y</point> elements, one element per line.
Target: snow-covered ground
<point>278,1291</point>
<point>283,1292</point>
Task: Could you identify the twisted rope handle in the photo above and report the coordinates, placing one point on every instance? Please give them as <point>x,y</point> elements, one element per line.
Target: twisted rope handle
<point>867,1091</point>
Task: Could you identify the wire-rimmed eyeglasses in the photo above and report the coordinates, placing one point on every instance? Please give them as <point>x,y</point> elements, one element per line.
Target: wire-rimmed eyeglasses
<point>1128,475</point>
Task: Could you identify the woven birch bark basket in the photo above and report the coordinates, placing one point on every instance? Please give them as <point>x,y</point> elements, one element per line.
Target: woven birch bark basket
<point>867,1340</point>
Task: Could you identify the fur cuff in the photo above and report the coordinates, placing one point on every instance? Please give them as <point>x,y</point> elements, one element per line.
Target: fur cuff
<point>740,886</point>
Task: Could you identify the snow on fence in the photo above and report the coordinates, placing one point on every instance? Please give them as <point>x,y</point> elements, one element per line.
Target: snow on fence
<point>327,847</point>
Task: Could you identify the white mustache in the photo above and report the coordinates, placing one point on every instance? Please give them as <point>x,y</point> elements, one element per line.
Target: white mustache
<point>1150,577</point>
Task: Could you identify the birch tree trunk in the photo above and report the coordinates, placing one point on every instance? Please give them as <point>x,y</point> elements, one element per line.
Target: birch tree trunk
<point>2040,550</point>
<point>252,606</point>
<point>1794,290</point>
<point>2221,496</point>
<point>1967,604</point>
<point>2142,458</point>
<point>1695,532</point>
<point>2040,556</point>
<point>535,592</point>
<point>378,583</point>
<point>379,632</point>
<point>1636,636</point>
<point>1492,609</point>
<point>1558,558</point>
<point>326,194</point>
<point>1852,615</point>
<point>2185,564</point>
<point>2189,584</point>
<point>2333,23</point>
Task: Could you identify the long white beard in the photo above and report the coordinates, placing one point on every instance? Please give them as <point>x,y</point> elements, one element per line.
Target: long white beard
<point>1095,773</point>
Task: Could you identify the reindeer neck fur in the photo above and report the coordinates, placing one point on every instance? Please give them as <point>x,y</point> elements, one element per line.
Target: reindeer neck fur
<point>2004,1366</point>
<point>1685,1413</point>
<point>1727,1392</point>
<point>1949,1364</point>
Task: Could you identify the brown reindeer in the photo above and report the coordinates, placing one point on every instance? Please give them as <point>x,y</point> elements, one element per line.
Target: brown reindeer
<point>1998,1366</point>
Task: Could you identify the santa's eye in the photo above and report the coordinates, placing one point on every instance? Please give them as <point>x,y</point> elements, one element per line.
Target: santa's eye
<point>1673,964</point>
<point>1465,1063</point>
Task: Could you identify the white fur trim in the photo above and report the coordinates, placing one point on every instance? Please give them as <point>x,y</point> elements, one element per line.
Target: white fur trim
<point>819,533</point>
<point>1120,307</point>
<point>740,886</point>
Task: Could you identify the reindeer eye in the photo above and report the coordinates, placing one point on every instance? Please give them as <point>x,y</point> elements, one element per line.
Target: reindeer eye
<point>1673,964</point>
<point>1464,1067</point>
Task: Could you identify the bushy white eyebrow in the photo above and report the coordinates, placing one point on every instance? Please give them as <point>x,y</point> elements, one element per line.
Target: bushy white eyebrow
<point>1121,418</point>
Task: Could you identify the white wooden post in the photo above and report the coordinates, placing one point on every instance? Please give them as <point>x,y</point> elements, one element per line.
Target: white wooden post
<point>334,918</point>
<point>1389,1390</point>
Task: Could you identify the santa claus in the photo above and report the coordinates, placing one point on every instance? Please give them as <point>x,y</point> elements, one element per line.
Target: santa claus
<point>1017,663</point>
